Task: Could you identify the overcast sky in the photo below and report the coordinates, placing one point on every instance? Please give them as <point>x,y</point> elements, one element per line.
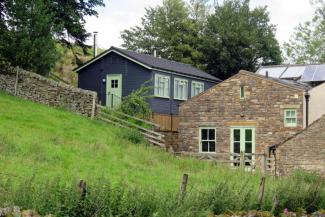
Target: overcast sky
<point>123,14</point>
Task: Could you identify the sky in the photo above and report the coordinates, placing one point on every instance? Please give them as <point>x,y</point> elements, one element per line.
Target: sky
<point>119,15</point>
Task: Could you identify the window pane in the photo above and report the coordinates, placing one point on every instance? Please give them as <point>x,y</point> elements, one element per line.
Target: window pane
<point>287,113</point>
<point>204,134</point>
<point>236,147</point>
<point>205,146</point>
<point>242,92</point>
<point>212,146</point>
<point>211,134</point>
<point>248,147</point>
<point>237,135</point>
<point>248,135</point>
<point>112,84</point>
<point>116,84</point>
<point>293,113</point>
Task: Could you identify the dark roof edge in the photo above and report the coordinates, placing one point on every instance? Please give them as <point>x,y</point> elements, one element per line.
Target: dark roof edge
<point>117,50</point>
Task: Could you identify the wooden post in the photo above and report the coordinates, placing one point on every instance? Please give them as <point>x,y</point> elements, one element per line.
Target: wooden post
<point>275,204</point>
<point>261,192</point>
<point>264,164</point>
<point>93,109</point>
<point>182,190</point>
<point>82,189</point>
<point>242,160</point>
<point>16,82</point>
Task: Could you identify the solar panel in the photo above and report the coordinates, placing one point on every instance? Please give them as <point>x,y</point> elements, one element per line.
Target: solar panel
<point>294,72</point>
<point>319,74</point>
<point>274,72</point>
<point>308,74</point>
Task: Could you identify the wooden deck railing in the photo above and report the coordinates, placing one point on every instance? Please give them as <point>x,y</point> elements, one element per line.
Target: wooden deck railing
<point>146,128</point>
<point>247,161</point>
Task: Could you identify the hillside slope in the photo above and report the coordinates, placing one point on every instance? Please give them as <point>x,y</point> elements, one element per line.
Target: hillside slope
<point>47,142</point>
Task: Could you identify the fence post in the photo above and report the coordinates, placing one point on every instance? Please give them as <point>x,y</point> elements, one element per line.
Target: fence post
<point>16,82</point>
<point>264,163</point>
<point>182,190</point>
<point>93,108</point>
<point>82,189</point>
<point>242,160</point>
<point>275,204</point>
<point>261,192</point>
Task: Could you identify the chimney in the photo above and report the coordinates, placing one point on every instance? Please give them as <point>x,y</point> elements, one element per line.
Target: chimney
<point>95,45</point>
<point>155,53</point>
<point>267,74</point>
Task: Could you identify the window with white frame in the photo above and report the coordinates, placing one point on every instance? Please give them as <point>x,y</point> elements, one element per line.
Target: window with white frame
<point>162,85</point>
<point>242,92</point>
<point>197,87</point>
<point>207,139</point>
<point>290,117</point>
<point>180,89</point>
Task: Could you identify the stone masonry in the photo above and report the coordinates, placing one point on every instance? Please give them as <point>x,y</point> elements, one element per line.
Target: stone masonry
<point>306,150</point>
<point>222,108</point>
<point>42,90</point>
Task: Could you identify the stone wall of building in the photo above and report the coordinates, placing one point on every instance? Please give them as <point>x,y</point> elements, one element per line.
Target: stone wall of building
<point>171,140</point>
<point>39,89</point>
<point>221,107</point>
<point>306,150</point>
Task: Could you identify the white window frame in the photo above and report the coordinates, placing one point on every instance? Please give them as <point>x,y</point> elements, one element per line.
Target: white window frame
<point>164,90</point>
<point>208,140</point>
<point>294,117</point>
<point>193,87</point>
<point>178,94</point>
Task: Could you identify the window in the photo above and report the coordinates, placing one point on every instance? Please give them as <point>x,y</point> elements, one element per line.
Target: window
<point>242,92</point>
<point>290,117</point>
<point>197,87</point>
<point>207,140</point>
<point>162,85</point>
<point>114,83</point>
<point>180,89</point>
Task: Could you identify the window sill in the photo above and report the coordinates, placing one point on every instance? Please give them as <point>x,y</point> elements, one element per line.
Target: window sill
<point>163,97</point>
<point>180,99</point>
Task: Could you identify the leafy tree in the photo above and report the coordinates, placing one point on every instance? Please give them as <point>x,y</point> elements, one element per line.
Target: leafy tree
<point>237,37</point>
<point>173,29</point>
<point>29,30</point>
<point>307,44</point>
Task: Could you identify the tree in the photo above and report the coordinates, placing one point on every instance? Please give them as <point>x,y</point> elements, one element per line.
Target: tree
<point>173,29</point>
<point>29,30</point>
<point>237,37</point>
<point>307,44</point>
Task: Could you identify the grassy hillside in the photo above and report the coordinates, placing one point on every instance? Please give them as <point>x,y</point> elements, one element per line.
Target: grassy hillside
<point>48,142</point>
<point>44,151</point>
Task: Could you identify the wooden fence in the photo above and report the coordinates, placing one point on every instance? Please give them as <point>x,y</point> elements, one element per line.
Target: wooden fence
<point>247,161</point>
<point>146,128</point>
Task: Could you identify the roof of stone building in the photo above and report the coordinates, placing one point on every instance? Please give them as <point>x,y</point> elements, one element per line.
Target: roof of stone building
<point>156,63</point>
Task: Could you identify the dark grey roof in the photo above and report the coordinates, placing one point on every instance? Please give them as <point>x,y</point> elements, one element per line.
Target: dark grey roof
<point>161,63</point>
<point>158,63</point>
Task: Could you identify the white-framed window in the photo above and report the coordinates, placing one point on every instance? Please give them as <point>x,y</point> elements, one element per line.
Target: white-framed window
<point>162,85</point>
<point>242,92</point>
<point>290,117</point>
<point>196,88</point>
<point>180,88</point>
<point>207,139</point>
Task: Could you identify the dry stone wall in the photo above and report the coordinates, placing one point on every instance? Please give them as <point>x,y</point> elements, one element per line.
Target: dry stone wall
<point>39,89</point>
<point>304,151</point>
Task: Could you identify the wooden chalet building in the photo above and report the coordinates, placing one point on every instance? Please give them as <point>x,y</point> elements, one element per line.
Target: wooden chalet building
<point>116,72</point>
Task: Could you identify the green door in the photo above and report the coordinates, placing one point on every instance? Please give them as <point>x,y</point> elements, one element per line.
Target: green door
<point>242,140</point>
<point>113,90</point>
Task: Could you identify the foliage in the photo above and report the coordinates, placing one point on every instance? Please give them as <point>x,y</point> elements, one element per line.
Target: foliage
<point>307,44</point>
<point>29,30</point>
<point>238,37</point>
<point>136,104</point>
<point>38,144</point>
<point>173,29</point>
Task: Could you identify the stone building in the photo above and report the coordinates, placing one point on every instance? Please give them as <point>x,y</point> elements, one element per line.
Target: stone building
<point>305,150</point>
<point>247,112</point>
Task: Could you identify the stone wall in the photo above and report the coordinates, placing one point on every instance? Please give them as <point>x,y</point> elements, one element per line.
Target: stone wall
<point>306,150</point>
<point>221,107</point>
<point>39,89</point>
<point>171,140</point>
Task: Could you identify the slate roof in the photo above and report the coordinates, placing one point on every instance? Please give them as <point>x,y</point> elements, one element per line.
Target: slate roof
<point>157,63</point>
<point>291,83</point>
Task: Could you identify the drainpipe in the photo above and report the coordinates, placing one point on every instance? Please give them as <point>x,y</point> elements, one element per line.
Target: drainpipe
<point>95,44</point>
<point>307,96</point>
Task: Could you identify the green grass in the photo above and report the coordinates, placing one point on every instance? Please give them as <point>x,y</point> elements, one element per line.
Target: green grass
<point>48,142</point>
<point>44,152</point>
